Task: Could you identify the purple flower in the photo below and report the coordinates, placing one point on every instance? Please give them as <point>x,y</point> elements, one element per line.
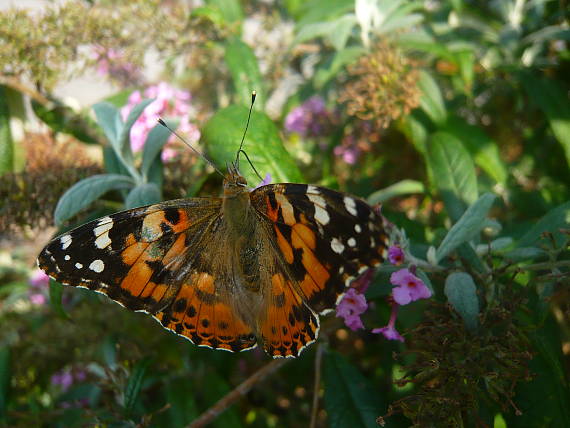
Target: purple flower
<point>348,150</point>
<point>395,255</point>
<point>409,287</point>
<point>352,305</point>
<point>390,332</point>
<point>63,379</point>
<point>265,181</point>
<point>310,119</point>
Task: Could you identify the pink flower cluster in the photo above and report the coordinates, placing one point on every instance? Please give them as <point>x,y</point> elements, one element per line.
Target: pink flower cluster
<point>111,63</point>
<point>409,288</point>
<point>169,102</point>
<point>39,282</point>
<point>66,377</point>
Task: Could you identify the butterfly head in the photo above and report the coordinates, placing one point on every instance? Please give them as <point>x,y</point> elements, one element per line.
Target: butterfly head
<point>234,182</point>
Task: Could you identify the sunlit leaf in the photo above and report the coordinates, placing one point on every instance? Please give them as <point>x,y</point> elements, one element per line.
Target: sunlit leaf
<point>6,142</point>
<point>222,135</point>
<point>246,76</point>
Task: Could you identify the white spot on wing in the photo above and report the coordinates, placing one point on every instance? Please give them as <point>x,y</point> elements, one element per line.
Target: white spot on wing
<point>78,265</point>
<point>67,257</point>
<point>350,205</point>
<point>351,242</point>
<point>104,225</point>
<point>321,214</point>
<point>337,246</point>
<point>65,241</point>
<point>97,266</point>
<point>103,241</point>
<point>357,228</point>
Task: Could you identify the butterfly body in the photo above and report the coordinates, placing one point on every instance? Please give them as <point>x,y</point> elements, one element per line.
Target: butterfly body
<point>227,273</point>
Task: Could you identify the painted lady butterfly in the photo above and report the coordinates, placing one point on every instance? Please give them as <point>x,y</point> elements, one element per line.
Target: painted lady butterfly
<point>228,272</point>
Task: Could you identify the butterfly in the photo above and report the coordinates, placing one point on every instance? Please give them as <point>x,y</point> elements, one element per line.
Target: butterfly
<point>229,272</point>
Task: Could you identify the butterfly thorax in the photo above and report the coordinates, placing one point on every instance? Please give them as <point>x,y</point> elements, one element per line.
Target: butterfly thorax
<point>242,224</point>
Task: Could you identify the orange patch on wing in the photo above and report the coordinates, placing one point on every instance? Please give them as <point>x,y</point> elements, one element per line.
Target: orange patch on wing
<point>285,330</point>
<point>133,250</point>
<point>284,246</point>
<point>303,236</point>
<point>177,249</point>
<point>137,278</point>
<point>183,222</point>
<point>273,214</point>
<point>314,267</point>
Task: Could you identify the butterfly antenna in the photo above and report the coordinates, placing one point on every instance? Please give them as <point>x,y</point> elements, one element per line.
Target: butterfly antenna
<point>253,94</point>
<point>247,157</point>
<point>208,161</point>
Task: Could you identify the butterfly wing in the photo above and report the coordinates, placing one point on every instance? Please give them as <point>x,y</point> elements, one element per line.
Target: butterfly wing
<point>323,238</point>
<point>152,259</point>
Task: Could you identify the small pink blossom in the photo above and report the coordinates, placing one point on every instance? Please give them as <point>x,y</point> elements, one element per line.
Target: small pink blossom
<point>169,101</point>
<point>395,255</point>
<point>38,279</point>
<point>352,305</point>
<point>390,332</point>
<point>409,287</point>
<point>38,299</point>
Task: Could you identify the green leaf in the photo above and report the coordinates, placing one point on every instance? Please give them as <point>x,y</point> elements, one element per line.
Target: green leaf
<point>403,187</point>
<point>231,10</point>
<point>143,194</point>
<point>431,100</point>
<point>155,141</point>
<point>323,10</point>
<point>6,142</point>
<point>461,292</point>
<point>222,135</point>
<point>55,299</point>
<point>551,97</point>
<point>5,375</point>
<point>453,173</point>
<point>484,150</point>
<point>112,163</point>
<point>218,388</point>
<point>179,394</point>
<point>246,76</point>
<point>109,119</point>
<point>556,219</point>
<point>468,226</point>
<point>330,68</point>
<point>84,192</point>
<point>134,384</point>
<point>350,399</point>
<point>336,32</point>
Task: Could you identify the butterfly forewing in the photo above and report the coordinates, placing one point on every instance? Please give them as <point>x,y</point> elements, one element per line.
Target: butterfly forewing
<point>325,238</point>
